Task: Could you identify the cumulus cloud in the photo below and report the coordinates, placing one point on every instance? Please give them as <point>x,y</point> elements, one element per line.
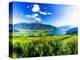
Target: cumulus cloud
<point>38,19</point>
<point>34,17</point>
<point>35,8</point>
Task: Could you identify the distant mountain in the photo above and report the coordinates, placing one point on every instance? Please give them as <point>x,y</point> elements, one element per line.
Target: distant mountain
<point>73,31</point>
<point>61,30</point>
<point>51,30</point>
<point>65,28</point>
<point>33,26</point>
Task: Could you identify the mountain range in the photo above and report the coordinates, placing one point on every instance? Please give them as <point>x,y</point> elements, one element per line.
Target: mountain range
<point>72,31</point>
<point>33,26</point>
<point>52,30</point>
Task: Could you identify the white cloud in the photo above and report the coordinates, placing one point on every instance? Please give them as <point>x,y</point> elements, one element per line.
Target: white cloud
<point>37,19</point>
<point>45,13</point>
<point>32,16</point>
<point>35,15</point>
<point>35,8</point>
<point>49,13</point>
<point>28,16</point>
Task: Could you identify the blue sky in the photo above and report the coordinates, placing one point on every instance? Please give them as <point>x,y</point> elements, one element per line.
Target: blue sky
<point>52,14</point>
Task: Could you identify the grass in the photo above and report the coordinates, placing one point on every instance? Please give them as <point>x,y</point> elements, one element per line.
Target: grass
<point>43,46</point>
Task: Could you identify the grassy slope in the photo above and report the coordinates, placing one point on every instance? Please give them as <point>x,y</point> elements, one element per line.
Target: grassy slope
<point>44,46</point>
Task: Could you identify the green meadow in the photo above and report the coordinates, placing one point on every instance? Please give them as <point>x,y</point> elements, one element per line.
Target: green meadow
<point>36,46</point>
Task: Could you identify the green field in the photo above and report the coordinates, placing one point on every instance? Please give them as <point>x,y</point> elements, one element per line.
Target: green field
<point>21,46</point>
